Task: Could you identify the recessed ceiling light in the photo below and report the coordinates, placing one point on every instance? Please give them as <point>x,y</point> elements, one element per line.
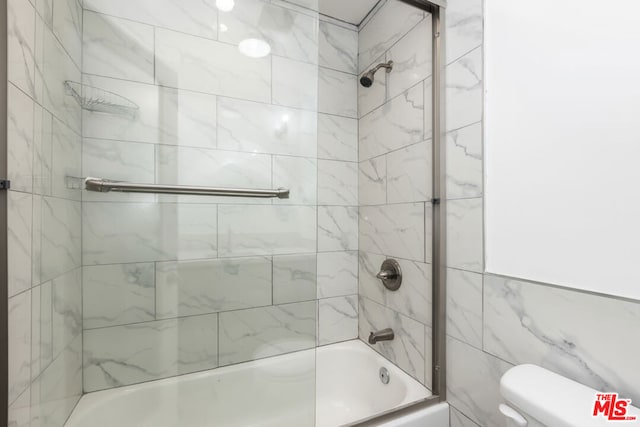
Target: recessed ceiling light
<point>225,5</point>
<point>254,48</point>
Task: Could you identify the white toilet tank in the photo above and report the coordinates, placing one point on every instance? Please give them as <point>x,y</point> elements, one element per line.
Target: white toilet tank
<point>536,397</point>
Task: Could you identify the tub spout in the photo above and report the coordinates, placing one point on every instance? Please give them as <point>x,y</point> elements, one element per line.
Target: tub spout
<point>383,335</point>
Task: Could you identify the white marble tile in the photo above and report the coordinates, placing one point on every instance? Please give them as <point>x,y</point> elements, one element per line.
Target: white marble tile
<point>124,161</point>
<point>428,357</point>
<point>45,9</point>
<point>463,28</point>
<point>66,312</point>
<point>21,44</point>
<point>370,98</point>
<point>337,138</point>
<point>42,30</point>
<point>188,288</point>
<point>458,419</point>
<point>118,294</point>
<point>196,17</point>
<point>262,128</point>
<point>428,108</point>
<point>413,299</point>
<point>20,128</point>
<point>295,84</point>
<point>337,319</point>
<point>54,66</point>
<point>19,312</point>
<point>203,167</point>
<point>20,410</point>
<point>66,161</point>
<point>464,90</point>
<point>396,124</point>
<point>131,354</point>
<point>337,183</point>
<point>394,230</point>
<point>187,118</point>
<point>464,231</point>
<point>61,237</point>
<point>338,93</point>
<point>41,329</point>
<point>575,334</point>
<point>294,278</point>
<point>36,241</point>
<point>473,382</point>
<point>19,238</point>
<point>310,5</point>
<point>67,26</point>
<point>464,162</point>
<point>42,151</point>
<point>384,29</point>
<point>56,391</point>
<point>337,274</point>
<point>299,175</point>
<point>289,33</point>
<point>412,58</point>
<point>464,306</point>
<point>338,47</point>
<point>372,181</point>
<point>152,232</point>
<point>266,230</point>
<point>268,331</point>
<point>337,228</point>
<point>409,174</point>
<point>407,348</point>
<point>118,48</point>
<point>222,71</point>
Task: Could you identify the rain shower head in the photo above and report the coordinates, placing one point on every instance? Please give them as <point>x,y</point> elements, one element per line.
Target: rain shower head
<point>367,78</point>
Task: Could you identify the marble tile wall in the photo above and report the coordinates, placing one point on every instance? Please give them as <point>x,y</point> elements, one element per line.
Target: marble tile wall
<point>191,283</point>
<point>394,183</point>
<point>494,322</point>
<point>44,220</point>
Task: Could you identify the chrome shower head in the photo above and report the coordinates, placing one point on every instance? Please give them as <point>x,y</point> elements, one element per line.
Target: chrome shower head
<point>367,78</point>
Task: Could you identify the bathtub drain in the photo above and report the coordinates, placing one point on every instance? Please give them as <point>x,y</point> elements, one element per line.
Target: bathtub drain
<point>384,375</point>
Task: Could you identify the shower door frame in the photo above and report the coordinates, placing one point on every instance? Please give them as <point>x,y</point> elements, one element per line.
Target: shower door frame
<point>437,9</point>
<point>4,277</point>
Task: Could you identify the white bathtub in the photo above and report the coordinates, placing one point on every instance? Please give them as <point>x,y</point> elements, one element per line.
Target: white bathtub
<point>330,386</point>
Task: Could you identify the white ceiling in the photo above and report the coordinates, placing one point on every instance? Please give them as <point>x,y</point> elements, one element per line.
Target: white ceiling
<point>352,11</point>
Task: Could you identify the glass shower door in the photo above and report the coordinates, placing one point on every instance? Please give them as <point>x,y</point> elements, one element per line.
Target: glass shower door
<point>199,291</point>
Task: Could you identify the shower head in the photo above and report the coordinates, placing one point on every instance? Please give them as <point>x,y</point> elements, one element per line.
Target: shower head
<point>367,78</point>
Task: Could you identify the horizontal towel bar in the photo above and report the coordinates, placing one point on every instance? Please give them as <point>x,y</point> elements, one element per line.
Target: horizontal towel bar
<point>104,186</point>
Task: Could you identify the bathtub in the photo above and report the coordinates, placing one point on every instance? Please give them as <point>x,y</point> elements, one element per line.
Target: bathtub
<point>330,386</point>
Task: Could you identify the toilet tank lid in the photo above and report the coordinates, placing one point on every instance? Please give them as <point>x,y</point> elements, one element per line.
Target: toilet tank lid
<point>553,399</point>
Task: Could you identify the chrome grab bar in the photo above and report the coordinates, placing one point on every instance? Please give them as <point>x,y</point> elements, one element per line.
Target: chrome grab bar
<point>104,186</point>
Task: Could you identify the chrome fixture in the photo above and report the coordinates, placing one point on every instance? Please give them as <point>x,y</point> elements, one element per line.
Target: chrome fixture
<point>367,79</point>
<point>104,186</point>
<point>390,274</point>
<point>383,335</point>
<point>384,375</point>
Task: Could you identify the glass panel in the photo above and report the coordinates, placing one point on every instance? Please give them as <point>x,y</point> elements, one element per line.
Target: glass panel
<point>190,310</point>
<point>212,94</point>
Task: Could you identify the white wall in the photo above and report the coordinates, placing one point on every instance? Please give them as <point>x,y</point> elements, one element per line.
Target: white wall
<point>563,143</point>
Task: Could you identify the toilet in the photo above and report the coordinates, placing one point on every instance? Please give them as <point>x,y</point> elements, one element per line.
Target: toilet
<point>536,397</point>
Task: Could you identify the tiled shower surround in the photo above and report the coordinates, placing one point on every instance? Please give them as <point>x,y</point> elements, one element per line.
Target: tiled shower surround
<point>395,183</point>
<point>177,284</point>
<point>44,246</point>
